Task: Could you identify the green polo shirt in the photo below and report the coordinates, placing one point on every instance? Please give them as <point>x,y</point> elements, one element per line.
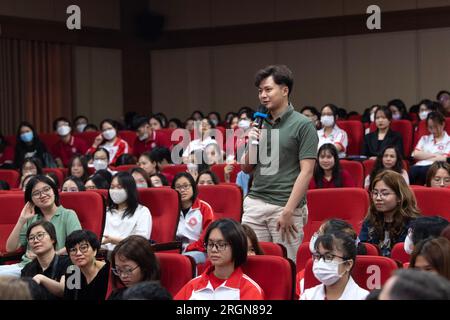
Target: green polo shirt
<point>274,176</point>
<point>65,222</point>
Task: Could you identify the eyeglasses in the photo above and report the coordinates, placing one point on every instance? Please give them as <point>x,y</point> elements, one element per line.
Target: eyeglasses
<point>220,246</point>
<point>38,236</point>
<point>82,247</point>
<point>327,257</point>
<point>39,193</point>
<point>383,195</point>
<point>125,272</point>
<point>182,187</point>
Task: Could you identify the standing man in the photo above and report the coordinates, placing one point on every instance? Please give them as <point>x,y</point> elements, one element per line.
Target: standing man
<point>276,204</point>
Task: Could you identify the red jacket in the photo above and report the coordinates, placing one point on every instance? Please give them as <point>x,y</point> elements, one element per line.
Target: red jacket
<point>65,151</point>
<point>116,150</point>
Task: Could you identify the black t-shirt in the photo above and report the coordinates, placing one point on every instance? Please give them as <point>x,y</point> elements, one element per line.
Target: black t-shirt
<point>55,271</point>
<point>96,290</point>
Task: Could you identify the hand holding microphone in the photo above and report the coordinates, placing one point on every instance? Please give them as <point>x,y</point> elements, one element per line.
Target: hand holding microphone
<point>259,116</point>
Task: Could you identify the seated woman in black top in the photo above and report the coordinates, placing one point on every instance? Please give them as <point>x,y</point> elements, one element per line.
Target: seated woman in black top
<point>375,141</point>
<point>48,268</point>
<point>88,278</point>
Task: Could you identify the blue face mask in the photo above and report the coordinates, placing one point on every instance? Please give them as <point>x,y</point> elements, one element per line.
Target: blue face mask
<point>27,136</point>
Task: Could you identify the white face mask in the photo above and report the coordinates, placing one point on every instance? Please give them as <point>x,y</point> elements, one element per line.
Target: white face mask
<point>118,195</point>
<point>408,245</point>
<point>327,272</point>
<point>312,243</point>
<point>372,117</point>
<point>100,165</point>
<point>109,134</point>
<point>143,137</point>
<point>215,122</point>
<point>244,124</point>
<point>141,185</point>
<point>396,116</point>
<point>423,115</point>
<point>327,121</point>
<point>63,130</point>
<point>81,126</point>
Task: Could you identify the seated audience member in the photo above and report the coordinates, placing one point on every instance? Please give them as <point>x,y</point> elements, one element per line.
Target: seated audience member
<point>67,145</point>
<point>423,228</point>
<point>226,244</point>
<point>425,107</point>
<point>12,288</point>
<point>27,179</point>
<point>30,166</point>
<point>390,158</point>
<point>430,148</point>
<point>147,137</point>
<point>444,99</point>
<point>201,140</point>
<point>233,123</point>
<point>195,216</point>
<point>253,247</point>
<point>90,128</point>
<point>411,284</point>
<point>313,114</point>
<point>82,246</point>
<point>398,109</point>
<point>438,175</point>
<point>53,177</point>
<point>432,254</point>
<point>330,132</point>
<point>189,124</point>
<point>4,185</point>
<point>207,178</point>
<point>161,155</point>
<point>41,203</point>
<point>333,261</point>
<point>393,208</point>
<point>147,290</point>
<point>6,154</point>
<point>212,154</point>
<point>72,184</point>
<point>197,115</point>
<point>228,118</point>
<point>328,172</point>
<point>109,140</point>
<point>100,160</point>
<point>124,215</point>
<point>369,116</point>
<point>376,141</point>
<point>125,159</point>
<point>158,180</point>
<point>107,174</point>
<point>149,164</point>
<point>96,181</point>
<point>132,262</point>
<point>141,178</point>
<point>48,268</point>
<point>175,123</point>
<point>156,122</point>
<point>80,123</point>
<point>28,145</point>
<point>78,167</point>
<point>215,118</point>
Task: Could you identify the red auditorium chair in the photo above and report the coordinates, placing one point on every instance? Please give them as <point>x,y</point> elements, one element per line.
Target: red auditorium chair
<point>349,204</point>
<point>59,174</point>
<point>355,133</point>
<point>126,167</point>
<point>398,253</point>
<point>11,177</point>
<point>225,200</point>
<point>10,209</point>
<point>49,139</point>
<point>89,136</point>
<point>218,170</point>
<point>273,249</point>
<point>275,275</point>
<point>129,136</point>
<point>405,128</point>
<point>164,205</point>
<point>370,272</point>
<point>89,207</point>
<point>173,169</point>
<point>433,201</point>
<point>422,130</point>
<point>176,270</point>
<point>356,170</point>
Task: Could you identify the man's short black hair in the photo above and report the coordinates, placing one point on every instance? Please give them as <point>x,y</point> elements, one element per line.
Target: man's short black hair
<point>281,75</point>
<point>139,121</point>
<point>147,290</point>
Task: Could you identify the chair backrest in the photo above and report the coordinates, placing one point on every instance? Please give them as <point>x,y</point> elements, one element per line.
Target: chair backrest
<point>273,249</point>
<point>275,275</point>
<point>372,250</point>
<point>349,204</point>
<point>356,170</point>
<point>176,270</point>
<point>218,169</point>
<point>225,200</point>
<point>89,207</point>
<point>89,136</point>
<point>129,136</point>
<point>433,201</point>
<point>405,128</point>
<point>11,177</point>
<point>125,167</point>
<point>59,174</point>
<point>355,133</point>
<point>370,272</point>
<point>173,169</point>
<point>164,205</point>
<point>10,209</point>
<point>49,139</point>
<point>398,253</point>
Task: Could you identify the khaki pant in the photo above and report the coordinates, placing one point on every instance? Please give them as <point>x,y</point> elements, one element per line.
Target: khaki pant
<point>262,217</point>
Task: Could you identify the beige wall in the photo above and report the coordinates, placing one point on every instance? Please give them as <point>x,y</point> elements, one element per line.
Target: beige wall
<point>94,13</point>
<point>353,72</point>
<point>98,83</point>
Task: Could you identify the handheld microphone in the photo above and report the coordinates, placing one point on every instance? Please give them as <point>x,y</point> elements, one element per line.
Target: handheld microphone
<point>259,116</point>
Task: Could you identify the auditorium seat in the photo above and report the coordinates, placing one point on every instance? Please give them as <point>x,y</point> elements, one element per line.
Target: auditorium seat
<point>273,249</point>
<point>10,209</point>
<point>356,170</point>
<point>59,174</point>
<point>355,133</point>
<point>398,253</point>
<point>176,270</point>
<point>218,169</point>
<point>12,177</point>
<point>125,167</point>
<point>173,169</point>
<point>433,201</point>
<point>225,200</point>
<point>89,136</point>
<point>129,136</point>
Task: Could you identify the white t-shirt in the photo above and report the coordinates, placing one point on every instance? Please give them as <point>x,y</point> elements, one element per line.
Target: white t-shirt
<point>351,292</point>
<point>140,223</point>
<point>428,144</point>
<point>337,136</point>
